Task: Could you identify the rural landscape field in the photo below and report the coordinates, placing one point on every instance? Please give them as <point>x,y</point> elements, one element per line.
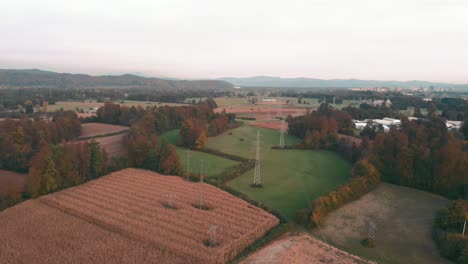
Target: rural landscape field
<point>234,132</point>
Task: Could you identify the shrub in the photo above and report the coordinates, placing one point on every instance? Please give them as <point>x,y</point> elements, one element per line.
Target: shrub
<point>365,178</point>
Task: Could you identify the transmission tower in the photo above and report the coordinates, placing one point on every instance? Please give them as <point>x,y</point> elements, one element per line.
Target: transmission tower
<point>201,185</point>
<point>282,134</point>
<point>213,237</point>
<point>257,180</point>
<point>188,164</point>
<point>464,227</point>
<point>371,230</point>
<point>170,200</point>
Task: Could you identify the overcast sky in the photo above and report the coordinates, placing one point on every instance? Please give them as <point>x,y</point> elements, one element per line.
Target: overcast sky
<point>365,39</point>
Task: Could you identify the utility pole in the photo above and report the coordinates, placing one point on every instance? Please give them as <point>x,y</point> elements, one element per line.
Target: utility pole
<point>170,200</point>
<point>257,180</point>
<point>201,185</point>
<point>371,231</point>
<point>188,164</point>
<point>213,237</point>
<point>464,227</point>
<point>282,133</point>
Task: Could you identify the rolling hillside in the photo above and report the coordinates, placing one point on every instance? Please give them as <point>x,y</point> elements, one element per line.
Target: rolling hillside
<point>52,79</point>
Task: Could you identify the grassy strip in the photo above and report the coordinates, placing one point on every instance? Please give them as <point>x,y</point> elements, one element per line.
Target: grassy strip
<point>233,172</point>
<point>223,155</point>
<point>101,136</point>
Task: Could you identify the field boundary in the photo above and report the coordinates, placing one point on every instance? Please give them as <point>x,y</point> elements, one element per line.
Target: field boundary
<point>102,136</point>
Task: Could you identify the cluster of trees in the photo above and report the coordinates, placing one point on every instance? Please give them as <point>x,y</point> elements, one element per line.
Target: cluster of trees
<point>422,154</point>
<point>144,149</point>
<point>365,177</point>
<point>219,123</point>
<point>192,133</point>
<point>21,139</point>
<point>324,129</point>
<point>60,166</point>
<point>367,111</point>
<point>326,120</point>
<point>40,147</point>
<point>196,122</point>
<point>447,231</point>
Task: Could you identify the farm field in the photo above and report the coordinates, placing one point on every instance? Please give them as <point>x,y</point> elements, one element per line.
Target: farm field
<point>146,209</point>
<point>226,102</point>
<point>89,104</point>
<point>403,217</point>
<point>113,145</point>
<point>291,178</point>
<point>213,165</point>
<point>299,249</point>
<point>57,231</point>
<point>99,129</point>
<point>12,182</point>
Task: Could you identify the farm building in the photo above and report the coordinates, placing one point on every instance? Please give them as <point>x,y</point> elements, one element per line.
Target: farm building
<point>132,216</point>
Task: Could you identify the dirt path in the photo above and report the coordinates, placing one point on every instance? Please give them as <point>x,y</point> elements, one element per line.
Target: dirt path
<point>301,249</point>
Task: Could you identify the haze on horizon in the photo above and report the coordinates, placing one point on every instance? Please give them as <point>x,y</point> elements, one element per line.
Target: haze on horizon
<point>328,39</point>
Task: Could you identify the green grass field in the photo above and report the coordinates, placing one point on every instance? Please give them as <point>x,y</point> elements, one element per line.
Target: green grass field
<point>89,104</point>
<point>291,178</point>
<point>213,165</point>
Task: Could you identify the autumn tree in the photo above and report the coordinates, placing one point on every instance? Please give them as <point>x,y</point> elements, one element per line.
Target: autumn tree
<point>192,133</point>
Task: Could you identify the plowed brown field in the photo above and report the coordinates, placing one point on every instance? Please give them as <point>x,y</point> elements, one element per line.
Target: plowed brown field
<point>113,145</point>
<point>131,203</point>
<point>11,182</point>
<point>99,129</point>
<point>301,249</point>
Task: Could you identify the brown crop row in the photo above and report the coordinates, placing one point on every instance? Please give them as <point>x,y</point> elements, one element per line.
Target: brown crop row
<point>132,202</point>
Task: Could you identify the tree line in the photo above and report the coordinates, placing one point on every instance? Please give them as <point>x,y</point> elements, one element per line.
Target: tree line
<point>21,139</point>
<point>421,154</point>
<point>448,226</point>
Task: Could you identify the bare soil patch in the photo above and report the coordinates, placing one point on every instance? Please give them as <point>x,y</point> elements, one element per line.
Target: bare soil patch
<point>275,125</point>
<point>12,182</point>
<point>301,249</point>
<point>113,145</point>
<point>99,129</point>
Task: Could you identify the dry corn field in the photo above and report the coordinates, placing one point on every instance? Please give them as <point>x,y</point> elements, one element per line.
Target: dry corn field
<point>140,207</point>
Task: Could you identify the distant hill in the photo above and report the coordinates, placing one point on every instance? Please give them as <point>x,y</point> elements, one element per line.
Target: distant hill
<point>268,81</point>
<point>34,77</point>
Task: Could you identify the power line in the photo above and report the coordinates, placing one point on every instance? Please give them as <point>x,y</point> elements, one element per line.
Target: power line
<point>201,185</point>
<point>257,176</point>
<point>188,164</point>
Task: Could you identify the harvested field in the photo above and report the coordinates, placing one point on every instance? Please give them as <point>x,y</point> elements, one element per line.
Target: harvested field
<point>404,218</point>
<point>133,203</point>
<point>113,145</point>
<point>90,104</point>
<point>301,249</point>
<point>11,182</point>
<point>263,110</point>
<point>33,232</point>
<point>275,125</point>
<point>84,115</point>
<point>99,129</point>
